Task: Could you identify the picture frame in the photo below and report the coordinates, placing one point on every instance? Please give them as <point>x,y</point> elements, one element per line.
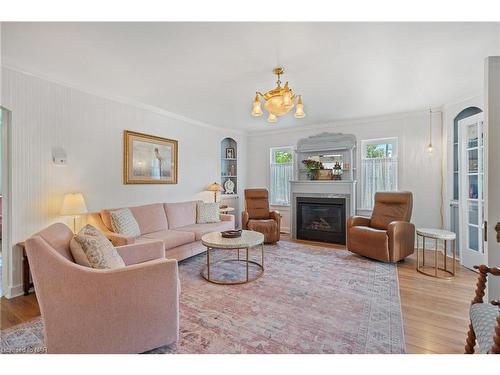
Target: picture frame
<point>149,159</point>
<point>230,153</point>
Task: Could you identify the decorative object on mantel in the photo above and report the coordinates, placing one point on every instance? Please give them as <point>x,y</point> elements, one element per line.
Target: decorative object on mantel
<point>337,171</point>
<point>73,205</point>
<point>215,187</point>
<point>324,174</point>
<point>278,101</point>
<point>148,159</point>
<point>229,187</point>
<point>429,147</point>
<point>312,167</point>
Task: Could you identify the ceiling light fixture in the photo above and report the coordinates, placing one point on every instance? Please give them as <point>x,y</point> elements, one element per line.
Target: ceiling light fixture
<point>278,101</point>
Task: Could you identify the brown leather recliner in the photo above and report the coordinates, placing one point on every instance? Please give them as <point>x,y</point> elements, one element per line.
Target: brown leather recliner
<point>257,216</point>
<point>388,235</point>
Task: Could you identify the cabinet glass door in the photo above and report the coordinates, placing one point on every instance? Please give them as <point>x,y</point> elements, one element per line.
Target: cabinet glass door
<point>471,191</point>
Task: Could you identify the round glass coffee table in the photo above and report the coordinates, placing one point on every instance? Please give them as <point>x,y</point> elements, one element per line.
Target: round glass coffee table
<point>248,240</point>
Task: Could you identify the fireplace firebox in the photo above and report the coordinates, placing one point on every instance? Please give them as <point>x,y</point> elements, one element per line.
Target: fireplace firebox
<point>321,219</point>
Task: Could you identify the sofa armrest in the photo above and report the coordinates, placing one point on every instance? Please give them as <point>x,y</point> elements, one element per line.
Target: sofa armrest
<point>118,239</point>
<point>401,239</point>
<point>358,221</point>
<point>142,252</point>
<point>226,217</point>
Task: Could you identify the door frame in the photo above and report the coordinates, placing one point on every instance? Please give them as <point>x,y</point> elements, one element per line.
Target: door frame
<point>465,254</point>
<point>6,188</point>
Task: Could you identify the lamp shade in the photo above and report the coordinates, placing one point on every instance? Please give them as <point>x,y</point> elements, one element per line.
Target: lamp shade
<point>215,187</point>
<point>73,204</point>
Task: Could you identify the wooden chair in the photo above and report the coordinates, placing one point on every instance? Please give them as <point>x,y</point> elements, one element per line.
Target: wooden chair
<point>484,318</point>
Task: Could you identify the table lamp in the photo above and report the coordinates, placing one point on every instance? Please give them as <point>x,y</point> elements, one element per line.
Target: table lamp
<point>73,205</point>
<point>215,187</point>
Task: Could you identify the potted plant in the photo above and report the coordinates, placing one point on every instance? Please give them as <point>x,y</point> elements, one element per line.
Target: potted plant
<point>312,167</point>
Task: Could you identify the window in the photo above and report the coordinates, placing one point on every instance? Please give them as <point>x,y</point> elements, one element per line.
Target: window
<point>379,168</point>
<point>281,173</point>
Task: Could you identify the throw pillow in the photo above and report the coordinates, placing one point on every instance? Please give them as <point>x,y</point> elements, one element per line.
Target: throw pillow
<point>123,222</point>
<point>207,213</point>
<point>98,249</point>
<point>78,254</point>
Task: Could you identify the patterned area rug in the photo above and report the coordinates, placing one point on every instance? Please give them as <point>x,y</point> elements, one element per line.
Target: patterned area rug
<point>309,300</point>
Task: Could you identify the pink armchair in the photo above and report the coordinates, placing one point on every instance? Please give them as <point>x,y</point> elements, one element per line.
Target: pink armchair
<point>85,310</point>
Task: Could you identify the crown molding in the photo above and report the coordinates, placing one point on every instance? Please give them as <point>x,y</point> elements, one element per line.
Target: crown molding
<point>351,122</point>
<point>122,100</point>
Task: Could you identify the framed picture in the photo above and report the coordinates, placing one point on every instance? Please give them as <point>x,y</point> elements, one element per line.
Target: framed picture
<point>148,159</point>
<point>230,153</point>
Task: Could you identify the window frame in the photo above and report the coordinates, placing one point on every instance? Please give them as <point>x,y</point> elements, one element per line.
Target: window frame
<point>272,151</point>
<point>374,141</point>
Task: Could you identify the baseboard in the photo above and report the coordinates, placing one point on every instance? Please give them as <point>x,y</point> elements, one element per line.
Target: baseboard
<point>14,291</point>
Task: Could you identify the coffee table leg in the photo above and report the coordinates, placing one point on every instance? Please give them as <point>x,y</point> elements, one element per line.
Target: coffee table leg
<point>262,247</point>
<point>445,254</point>
<point>208,263</point>
<point>423,251</point>
<point>247,264</point>
<point>436,258</point>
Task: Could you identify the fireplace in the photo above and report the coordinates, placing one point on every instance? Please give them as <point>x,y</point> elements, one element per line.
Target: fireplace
<point>321,219</point>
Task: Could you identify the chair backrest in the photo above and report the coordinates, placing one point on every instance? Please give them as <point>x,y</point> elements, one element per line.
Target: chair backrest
<point>391,206</point>
<point>58,236</point>
<point>257,203</point>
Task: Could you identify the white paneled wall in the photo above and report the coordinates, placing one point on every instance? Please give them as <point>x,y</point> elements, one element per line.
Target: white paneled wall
<point>90,129</point>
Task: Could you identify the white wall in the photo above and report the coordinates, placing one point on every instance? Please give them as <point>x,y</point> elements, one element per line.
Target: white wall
<point>419,171</point>
<point>90,128</point>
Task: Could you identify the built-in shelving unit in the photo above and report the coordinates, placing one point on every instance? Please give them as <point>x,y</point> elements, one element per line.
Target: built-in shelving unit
<point>229,163</point>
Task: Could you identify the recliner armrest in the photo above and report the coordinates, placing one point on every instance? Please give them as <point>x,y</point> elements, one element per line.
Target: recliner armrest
<point>358,221</point>
<point>401,239</point>
<point>244,219</point>
<point>275,215</point>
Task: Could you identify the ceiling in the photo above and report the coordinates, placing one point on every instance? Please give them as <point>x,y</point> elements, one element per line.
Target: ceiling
<point>209,72</point>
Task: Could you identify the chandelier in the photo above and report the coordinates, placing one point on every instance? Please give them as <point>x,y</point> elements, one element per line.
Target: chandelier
<point>278,101</point>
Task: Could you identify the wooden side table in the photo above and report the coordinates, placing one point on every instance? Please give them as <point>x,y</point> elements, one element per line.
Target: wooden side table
<point>27,283</point>
<point>436,234</point>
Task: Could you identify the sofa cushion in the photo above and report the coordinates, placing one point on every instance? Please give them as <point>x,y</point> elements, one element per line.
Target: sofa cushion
<point>369,242</point>
<point>123,222</point>
<point>78,254</point>
<point>180,214</point>
<point>207,213</point>
<point>99,251</point>
<point>151,217</point>
<point>170,238</point>
<point>200,229</point>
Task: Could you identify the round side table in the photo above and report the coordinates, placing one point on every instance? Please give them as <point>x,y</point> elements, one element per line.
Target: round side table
<point>436,234</point>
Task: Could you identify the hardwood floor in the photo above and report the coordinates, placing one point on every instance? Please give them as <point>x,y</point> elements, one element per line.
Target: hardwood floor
<point>435,311</point>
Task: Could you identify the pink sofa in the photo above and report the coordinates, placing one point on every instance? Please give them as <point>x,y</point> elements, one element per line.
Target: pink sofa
<point>86,310</point>
<point>172,223</point>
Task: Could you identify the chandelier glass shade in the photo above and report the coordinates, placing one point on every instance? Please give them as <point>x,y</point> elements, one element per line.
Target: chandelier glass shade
<point>278,101</point>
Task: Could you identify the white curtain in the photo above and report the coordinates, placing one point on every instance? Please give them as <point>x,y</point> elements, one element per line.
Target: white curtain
<point>280,187</point>
<point>379,174</point>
